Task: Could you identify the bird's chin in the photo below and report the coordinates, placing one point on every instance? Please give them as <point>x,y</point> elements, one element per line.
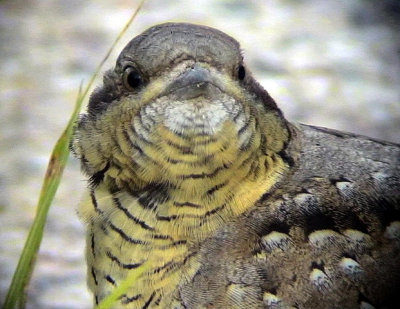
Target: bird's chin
<point>198,115</point>
<point>205,114</point>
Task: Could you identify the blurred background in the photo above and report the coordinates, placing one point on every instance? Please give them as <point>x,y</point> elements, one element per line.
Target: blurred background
<point>329,63</point>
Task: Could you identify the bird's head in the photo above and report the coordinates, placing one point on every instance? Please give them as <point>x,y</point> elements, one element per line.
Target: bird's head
<point>178,92</point>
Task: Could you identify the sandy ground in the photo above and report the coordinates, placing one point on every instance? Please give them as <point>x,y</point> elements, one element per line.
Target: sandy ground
<point>329,63</point>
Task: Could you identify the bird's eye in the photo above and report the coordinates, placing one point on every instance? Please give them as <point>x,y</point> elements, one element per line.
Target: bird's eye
<point>241,72</point>
<point>132,78</point>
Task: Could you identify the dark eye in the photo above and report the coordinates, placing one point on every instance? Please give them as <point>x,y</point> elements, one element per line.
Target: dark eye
<point>132,78</point>
<point>241,72</point>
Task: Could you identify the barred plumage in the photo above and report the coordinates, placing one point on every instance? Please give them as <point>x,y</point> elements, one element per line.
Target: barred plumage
<point>194,170</point>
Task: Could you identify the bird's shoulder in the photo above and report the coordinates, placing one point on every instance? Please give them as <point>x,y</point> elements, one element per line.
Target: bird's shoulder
<point>337,175</point>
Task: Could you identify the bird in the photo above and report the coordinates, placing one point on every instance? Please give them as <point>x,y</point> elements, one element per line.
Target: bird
<point>196,177</point>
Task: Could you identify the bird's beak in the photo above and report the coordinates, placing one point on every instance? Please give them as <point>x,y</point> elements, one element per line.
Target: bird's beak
<point>194,82</point>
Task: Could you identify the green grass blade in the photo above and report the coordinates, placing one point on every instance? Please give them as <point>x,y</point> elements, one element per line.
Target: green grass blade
<point>58,159</point>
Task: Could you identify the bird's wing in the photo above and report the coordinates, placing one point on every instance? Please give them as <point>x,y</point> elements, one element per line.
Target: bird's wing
<point>332,234</point>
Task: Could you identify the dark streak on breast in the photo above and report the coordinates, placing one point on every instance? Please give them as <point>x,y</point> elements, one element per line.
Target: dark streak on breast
<point>165,218</point>
<point>182,149</point>
<point>123,265</point>
<point>94,202</point>
<point>143,224</point>
<point>217,187</point>
<point>174,244</point>
<point>214,211</point>
<point>202,175</point>
<point>110,279</point>
<point>126,300</point>
<point>187,204</point>
<point>94,276</point>
<point>92,244</point>
<point>148,302</point>
<point>126,237</point>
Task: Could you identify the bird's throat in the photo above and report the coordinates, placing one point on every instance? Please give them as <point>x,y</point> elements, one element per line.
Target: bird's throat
<point>193,182</point>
